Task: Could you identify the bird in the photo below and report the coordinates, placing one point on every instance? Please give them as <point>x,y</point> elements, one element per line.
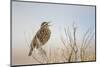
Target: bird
<point>41,37</point>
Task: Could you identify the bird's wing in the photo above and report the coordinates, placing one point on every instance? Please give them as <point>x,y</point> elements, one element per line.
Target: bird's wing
<point>40,34</point>
<point>36,41</point>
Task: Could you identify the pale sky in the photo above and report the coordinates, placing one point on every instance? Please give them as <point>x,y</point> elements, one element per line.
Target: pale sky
<point>27,17</point>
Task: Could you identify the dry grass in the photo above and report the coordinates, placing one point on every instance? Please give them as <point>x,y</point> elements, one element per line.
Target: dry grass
<point>71,52</point>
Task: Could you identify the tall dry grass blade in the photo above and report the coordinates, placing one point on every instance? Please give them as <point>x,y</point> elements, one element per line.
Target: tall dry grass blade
<point>64,55</point>
<point>64,43</point>
<point>84,38</point>
<point>74,44</point>
<point>89,41</point>
<point>82,46</point>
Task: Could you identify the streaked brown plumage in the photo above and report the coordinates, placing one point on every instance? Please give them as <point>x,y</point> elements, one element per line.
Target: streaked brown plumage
<point>41,37</point>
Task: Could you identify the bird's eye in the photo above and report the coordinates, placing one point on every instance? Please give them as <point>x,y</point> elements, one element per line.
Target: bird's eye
<point>46,24</point>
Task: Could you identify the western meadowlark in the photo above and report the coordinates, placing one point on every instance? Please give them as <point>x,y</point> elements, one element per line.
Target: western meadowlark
<point>41,37</point>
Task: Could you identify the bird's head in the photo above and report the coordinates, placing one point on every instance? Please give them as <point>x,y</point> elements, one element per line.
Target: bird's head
<point>45,24</point>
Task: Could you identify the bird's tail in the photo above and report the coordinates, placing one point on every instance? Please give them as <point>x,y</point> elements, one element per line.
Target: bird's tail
<point>30,52</point>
